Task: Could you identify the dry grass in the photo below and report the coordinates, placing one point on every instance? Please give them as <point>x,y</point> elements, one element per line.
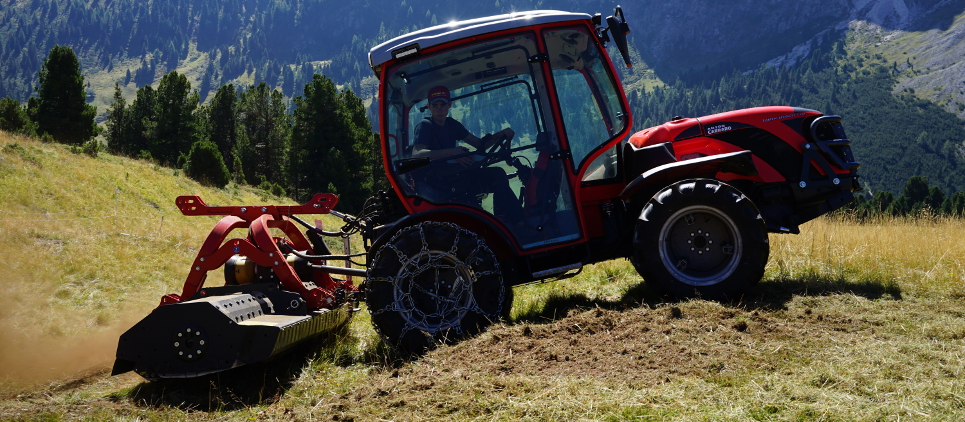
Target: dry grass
<point>923,256</point>
<point>851,322</point>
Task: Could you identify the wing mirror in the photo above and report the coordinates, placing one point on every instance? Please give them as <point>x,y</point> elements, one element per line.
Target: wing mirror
<point>617,27</point>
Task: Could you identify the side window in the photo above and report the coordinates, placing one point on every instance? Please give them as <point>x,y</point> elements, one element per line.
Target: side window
<point>604,166</point>
<point>585,127</point>
<point>588,101</point>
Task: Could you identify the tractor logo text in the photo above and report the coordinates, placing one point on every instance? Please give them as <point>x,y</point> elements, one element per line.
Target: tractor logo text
<point>783,117</point>
<point>718,129</point>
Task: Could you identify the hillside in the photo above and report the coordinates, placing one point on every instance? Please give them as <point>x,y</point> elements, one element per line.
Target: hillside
<point>932,57</point>
<point>894,135</point>
<point>282,42</point>
<point>854,322</point>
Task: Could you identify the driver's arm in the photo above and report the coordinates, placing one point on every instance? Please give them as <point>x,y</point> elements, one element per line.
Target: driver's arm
<point>421,150</point>
<point>475,141</point>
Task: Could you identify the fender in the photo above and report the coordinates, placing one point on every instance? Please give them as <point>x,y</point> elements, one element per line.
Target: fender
<point>740,162</point>
<point>471,220</point>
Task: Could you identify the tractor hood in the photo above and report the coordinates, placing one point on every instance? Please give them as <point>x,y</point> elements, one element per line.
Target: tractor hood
<point>674,130</point>
<point>773,119</point>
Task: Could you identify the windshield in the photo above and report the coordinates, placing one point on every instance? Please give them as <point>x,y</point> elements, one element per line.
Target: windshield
<point>492,86</point>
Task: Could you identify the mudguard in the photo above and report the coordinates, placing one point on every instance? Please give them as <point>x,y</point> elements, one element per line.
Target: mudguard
<point>741,163</point>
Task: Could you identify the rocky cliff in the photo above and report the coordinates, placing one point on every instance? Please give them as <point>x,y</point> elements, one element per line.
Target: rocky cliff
<point>677,36</point>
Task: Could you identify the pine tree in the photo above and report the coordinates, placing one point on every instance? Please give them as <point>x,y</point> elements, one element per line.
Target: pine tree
<point>955,205</point>
<point>116,135</point>
<point>61,109</point>
<point>221,115</point>
<point>14,118</point>
<point>176,128</point>
<point>315,122</point>
<point>360,141</point>
<point>139,121</point>
<point>912,200</point>
<point>332,144</point>
<point>206,165</point>
<point>935,198</point>
<point>264,134</point>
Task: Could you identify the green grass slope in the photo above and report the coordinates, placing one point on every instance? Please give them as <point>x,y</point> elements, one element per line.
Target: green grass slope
<point>89,246</point>
<point>852,322</point>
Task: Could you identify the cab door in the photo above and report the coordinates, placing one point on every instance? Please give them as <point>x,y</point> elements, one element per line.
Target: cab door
<point>595,117</point>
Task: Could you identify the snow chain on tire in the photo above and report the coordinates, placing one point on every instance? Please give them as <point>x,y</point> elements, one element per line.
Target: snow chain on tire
<point>433,282</point>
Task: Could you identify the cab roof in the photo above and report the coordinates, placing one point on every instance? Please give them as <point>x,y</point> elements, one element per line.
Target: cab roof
<point>461,29</point>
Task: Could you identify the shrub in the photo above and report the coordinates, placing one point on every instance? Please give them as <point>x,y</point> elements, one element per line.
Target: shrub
<point>14,119</point>
<point>91,147</point>
<point>206,165</point>
<point>272,188</point>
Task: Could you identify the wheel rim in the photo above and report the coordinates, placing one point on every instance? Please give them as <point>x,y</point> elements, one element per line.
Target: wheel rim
<point>434,291</point>
<point>700,245</point>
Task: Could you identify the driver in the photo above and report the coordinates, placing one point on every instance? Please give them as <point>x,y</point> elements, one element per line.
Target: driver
<point>436,137</point>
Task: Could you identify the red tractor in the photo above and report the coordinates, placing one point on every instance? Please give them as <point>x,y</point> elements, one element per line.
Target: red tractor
<point>538,177</point>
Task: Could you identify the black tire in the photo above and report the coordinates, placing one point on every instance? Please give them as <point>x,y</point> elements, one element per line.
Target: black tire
<point>434,282</point>
<point>700,238</point>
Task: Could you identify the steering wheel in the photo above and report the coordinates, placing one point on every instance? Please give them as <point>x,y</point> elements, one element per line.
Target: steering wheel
<point>496,152</point>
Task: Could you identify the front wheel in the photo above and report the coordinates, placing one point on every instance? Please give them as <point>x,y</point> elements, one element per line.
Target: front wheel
<point>700,238</point>
<point>434,282</point>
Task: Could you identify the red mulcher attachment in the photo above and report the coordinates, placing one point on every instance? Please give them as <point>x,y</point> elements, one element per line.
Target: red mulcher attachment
<point>278,292</point>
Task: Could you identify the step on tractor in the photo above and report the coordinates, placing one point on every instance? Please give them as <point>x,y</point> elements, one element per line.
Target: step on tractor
<point>539,177</point>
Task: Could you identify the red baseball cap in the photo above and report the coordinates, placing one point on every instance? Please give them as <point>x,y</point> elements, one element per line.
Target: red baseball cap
<point>439,93</point>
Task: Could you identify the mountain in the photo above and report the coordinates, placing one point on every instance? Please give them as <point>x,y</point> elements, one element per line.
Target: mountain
<point>691,34</point>
<point>933,50</point>
<point>695,42</point>
<point>247,40</point>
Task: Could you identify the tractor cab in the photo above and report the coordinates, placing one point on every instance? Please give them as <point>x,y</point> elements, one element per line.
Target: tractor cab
<point>545,76</point>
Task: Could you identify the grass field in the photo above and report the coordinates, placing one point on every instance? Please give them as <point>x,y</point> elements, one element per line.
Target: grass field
<point>851,322</point>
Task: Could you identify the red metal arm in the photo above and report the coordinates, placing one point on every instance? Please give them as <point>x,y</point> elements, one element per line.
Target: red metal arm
<point>321,203</point>
<point>261,247</point>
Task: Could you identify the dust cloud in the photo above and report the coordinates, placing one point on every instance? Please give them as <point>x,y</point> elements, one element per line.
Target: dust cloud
<point>28,360</point>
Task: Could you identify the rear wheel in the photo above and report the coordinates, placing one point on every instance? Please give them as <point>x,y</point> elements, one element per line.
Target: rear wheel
<point>700,238</point>
<point>434,282</point>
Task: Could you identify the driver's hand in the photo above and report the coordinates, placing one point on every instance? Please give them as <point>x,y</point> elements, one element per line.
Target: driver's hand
<point>465,161</point>
<point>508,133</point>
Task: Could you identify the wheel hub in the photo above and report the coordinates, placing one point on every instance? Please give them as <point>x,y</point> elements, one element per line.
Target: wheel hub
<point>700,245</point>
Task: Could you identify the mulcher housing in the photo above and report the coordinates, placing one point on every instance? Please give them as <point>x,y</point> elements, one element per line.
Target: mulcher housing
<point>690,202</point>
<point>275,297</point>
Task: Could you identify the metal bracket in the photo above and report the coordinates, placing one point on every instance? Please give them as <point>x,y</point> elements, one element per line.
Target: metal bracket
<point>812,155</point>
<point>539,58</point>
<point>561,155</point>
